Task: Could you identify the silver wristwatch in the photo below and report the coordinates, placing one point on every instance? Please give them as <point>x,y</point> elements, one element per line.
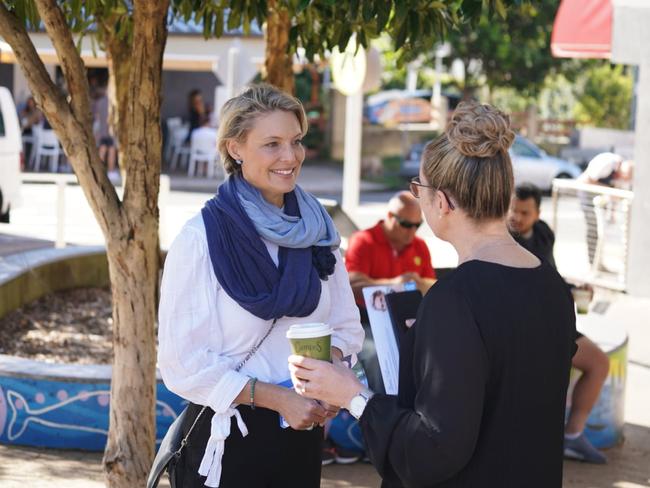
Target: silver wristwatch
<point>359,402</point>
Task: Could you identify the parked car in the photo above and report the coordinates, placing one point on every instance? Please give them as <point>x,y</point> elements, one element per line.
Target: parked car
<point>411,163</point>
<point>530,164</point>
<point>10,154</point>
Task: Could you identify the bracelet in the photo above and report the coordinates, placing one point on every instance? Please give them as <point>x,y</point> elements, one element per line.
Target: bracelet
<point>252,402</point>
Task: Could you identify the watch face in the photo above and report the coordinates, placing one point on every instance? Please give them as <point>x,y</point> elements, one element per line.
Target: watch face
<point>357,405</point>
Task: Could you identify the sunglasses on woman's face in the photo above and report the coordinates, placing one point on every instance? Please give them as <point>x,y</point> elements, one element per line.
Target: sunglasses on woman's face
<point>407,224</point>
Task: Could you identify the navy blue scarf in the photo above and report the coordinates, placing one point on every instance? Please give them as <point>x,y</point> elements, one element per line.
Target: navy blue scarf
<point>244,269</point>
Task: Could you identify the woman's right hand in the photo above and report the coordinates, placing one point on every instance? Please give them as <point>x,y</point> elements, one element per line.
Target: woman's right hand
<point>299,412</point>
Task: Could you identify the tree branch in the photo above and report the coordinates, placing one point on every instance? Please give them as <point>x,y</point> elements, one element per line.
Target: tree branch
<point>75,134</point>
<point>33,68</point>
<point>144,138</point>
<point>70,60</point>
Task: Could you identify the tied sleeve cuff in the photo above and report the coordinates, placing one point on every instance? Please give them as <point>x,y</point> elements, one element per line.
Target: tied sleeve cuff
<point>214,449</point>
<point>226,390</point>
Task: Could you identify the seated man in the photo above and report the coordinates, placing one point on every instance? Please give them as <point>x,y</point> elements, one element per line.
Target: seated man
<point>536,236</point>
<point>388,254</point>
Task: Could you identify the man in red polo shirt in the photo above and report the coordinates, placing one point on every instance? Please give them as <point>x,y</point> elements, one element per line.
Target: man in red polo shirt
<point>390,253</point>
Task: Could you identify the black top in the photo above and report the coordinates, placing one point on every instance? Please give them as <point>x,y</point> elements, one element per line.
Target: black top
<point>540,242</point>
<point>482,389</point>
<point>196,120</point>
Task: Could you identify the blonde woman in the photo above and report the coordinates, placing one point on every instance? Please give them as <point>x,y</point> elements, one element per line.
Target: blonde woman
<point>262,255</point>
<point>484,370</point>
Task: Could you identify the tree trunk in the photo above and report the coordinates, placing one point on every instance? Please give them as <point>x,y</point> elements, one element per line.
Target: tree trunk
<point>134,257</point>
<point>279,61</point>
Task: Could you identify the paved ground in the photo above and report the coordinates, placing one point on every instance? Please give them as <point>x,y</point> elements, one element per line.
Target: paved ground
<point>33,468</point>
<point>628,467</point>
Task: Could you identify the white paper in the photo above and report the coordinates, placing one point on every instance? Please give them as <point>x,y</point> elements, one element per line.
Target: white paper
<point>382,332</point>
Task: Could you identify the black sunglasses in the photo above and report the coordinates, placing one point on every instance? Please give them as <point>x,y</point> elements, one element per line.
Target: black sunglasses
<point>414,187</point>
<point>407,224</point>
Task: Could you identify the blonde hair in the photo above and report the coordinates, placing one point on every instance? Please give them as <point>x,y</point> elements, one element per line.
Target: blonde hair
<point>239,113</point>
<point>470,161</point>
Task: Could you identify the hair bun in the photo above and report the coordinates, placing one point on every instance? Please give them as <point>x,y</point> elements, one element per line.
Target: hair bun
<point>479,130</point>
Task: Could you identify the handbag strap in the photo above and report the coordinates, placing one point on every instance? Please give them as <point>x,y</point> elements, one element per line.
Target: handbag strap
<point>250,354</point>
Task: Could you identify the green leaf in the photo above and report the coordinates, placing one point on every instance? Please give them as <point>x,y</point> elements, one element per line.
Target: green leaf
<point>363,40</point>
<point>354,9</point>
<point>500,8</point>
<point>382,18</point>
<point>234,19</point>
<point>207,24</point>
<point>293,35</point>
<point>302,5</point>
<point>20,10</point>
<point>401,35</point>
<point>367,12</point>
<point>414,25</point>
<point>246,24</point>
<point>218,23</point>
<point>345,38</point>
<point>401,9</point>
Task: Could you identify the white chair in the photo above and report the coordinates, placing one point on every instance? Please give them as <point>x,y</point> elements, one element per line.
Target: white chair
<point>203,148</point>
<point>173,123</point>
<point>46,145</point>
<point>177,149</point>
<point>180,150</point>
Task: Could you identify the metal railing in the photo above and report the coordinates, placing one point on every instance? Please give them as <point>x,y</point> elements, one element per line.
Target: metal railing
<point>591,225</point>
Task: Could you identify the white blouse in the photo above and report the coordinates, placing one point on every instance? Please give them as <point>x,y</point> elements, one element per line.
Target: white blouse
<point>204,334</point>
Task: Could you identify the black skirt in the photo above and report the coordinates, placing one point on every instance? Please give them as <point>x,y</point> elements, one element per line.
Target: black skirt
<point>268,457</point>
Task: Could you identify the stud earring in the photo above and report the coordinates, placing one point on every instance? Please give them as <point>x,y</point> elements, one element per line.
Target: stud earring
<point>239,161</point>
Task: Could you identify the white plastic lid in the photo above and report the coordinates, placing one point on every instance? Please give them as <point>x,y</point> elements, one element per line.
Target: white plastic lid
<point>307,331</point>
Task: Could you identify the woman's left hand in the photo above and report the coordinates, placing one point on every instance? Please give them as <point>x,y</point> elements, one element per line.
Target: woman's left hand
<point>332,410</point>
<point>334,384</point>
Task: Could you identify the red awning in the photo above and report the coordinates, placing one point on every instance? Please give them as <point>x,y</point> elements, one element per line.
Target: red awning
<point>582,29</point>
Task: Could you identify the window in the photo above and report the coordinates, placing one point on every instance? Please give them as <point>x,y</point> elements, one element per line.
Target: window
<point>523,150</point>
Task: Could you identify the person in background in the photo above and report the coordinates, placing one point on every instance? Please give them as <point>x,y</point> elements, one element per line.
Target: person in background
<point>30,116</point>
<point>103,133</point>
<point>484,370</point>
<point>602,170</point>
<point>390,253</point>
<point>537,237</point>
<point>198,115</point>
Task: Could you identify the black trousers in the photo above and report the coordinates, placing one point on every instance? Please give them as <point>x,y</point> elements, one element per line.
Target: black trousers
<point>268,457</point>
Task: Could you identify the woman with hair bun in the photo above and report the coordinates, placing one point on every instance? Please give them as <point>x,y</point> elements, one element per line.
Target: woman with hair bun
<point>484,371</point>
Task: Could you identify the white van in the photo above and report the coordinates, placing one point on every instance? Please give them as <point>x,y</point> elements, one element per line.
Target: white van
<point>10,154</point>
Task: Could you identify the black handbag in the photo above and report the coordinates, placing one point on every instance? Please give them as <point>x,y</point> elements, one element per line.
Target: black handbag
<point>170,451</point>
<point>171,447</point>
